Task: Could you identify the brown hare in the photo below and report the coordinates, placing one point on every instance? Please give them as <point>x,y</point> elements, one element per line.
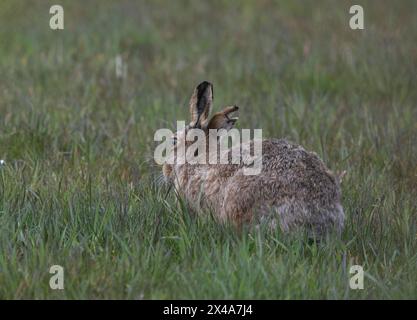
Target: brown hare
<point>294,189</point>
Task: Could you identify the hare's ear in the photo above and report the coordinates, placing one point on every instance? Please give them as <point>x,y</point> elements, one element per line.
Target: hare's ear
<point>223,119</point>
<point>200,104</point>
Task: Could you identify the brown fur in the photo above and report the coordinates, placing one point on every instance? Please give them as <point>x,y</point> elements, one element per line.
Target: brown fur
<point>294,190</point>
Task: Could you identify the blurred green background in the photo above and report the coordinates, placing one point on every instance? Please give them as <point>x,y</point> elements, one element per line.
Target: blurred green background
<point>80,188</point>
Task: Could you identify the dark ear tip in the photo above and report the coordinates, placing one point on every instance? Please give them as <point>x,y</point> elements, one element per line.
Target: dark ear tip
<point>204,85</point>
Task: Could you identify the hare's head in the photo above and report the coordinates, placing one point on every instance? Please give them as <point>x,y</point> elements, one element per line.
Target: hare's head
<point>200,106</point>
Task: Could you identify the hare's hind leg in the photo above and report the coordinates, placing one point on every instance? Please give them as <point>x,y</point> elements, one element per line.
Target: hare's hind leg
<point>316,222</point>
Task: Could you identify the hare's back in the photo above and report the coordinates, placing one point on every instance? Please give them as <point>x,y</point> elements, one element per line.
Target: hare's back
<point>299,171</point>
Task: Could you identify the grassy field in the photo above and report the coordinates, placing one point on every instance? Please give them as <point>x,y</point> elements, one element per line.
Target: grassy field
<point>79,184</point>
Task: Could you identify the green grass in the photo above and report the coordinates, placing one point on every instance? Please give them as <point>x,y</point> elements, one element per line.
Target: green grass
<point>78,188</point>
